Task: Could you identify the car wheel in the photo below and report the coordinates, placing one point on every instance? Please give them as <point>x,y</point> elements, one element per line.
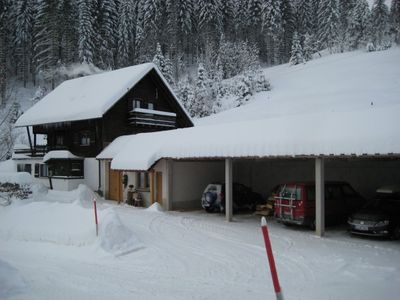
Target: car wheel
<point>312,225</point>
<point>209,209</point>
<point>396,233</point>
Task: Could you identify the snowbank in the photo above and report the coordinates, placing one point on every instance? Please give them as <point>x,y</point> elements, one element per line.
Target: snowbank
<point>7,166</point>
<point>114,237</point>
<point>66,218</point>
<point>155,207</point>
<point>22,178</point>
<point>11,281</point>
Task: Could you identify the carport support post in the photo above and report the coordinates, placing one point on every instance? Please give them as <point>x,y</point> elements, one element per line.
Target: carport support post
<point>228,189</point>
<point>319,197</point>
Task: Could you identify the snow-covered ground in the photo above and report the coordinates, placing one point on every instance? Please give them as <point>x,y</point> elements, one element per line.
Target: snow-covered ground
<point>346,82</point>
<point>49,250</point>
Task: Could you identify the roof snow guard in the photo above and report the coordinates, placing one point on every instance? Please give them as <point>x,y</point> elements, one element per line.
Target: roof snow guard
<point>372,132</point>
<point>88,97</point>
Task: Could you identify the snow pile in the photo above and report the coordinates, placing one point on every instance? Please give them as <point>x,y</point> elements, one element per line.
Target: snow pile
<point>114,237</point>
<point>7,166</point>
<point>66,218</point>
<point>155,207</point>
<point>11,282</point>
<point>58,223</point>
<point>84,195</point>
<point>21,178</point>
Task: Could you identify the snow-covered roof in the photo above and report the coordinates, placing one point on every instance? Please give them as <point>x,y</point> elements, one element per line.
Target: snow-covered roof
<point>347,133</point>
<point>345,104</point>
<point>111,150</point>
<point>60,154</point>
<point>87,97</point>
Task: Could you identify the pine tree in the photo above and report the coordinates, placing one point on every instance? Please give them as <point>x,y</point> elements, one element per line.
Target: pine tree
<point>395,20</point>
<point>297,56</point>
<point>304,16</point>
<point>203,105</point>
<point>272,26</point>
<point>3,53</point>
<point>254,19</point>
<point>328,23</point>
<point>379,23</point>
<point>309,47</point>
<point>67,31</point>
<point>23,36</point>
<point>358,22</point>
<point>123,38</point>
<point>164,65</point>
<point>45,40</point>
<point>86,30</point>
<point>107,20</point>
<point>288,28</point>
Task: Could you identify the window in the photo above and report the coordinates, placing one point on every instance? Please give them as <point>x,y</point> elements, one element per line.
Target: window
<point>150,105</point>
<point>41,170</point>
<point>24,168</point>
<point>143,181</point>
<point>85,139</point>
<point>136,103</point>
<point>59,140</point>
<point>66,168</point>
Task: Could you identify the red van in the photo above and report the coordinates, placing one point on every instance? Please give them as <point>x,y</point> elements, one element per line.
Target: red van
<point>295,202</point>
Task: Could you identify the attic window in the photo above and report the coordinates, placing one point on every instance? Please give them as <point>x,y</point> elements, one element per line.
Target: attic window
<point>136,103</point>
<point>150,105</point>
<point>85,139</point>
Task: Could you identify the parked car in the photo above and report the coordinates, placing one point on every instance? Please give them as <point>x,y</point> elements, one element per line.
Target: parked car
<point>213,198</point>
<point>295,203</point>
<point>380,216</point>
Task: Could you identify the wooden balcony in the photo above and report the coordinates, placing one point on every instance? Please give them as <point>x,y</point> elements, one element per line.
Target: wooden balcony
<point>152,118</point>
<point>37,151</point>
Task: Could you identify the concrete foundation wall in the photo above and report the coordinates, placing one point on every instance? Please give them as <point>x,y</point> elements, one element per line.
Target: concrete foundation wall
<point>190,180</point>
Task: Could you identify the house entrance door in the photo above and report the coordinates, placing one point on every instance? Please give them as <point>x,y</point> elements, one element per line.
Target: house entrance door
<point>159,187</point>
<point>115,185</point>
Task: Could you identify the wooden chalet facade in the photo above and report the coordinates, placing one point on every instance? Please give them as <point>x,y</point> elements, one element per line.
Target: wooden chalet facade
<point>147,106</point>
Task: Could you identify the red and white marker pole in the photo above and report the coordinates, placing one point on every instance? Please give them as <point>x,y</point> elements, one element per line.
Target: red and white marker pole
<point>270,255</point>
<point>95,216</point>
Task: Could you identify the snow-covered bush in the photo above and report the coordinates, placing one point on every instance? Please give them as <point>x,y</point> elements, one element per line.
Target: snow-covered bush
<point>8,191</point>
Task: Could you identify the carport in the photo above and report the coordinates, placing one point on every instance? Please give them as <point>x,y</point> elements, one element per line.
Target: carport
<point>330,145</point>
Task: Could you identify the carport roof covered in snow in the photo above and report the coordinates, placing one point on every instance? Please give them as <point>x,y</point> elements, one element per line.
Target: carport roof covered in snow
<point>373,131</point>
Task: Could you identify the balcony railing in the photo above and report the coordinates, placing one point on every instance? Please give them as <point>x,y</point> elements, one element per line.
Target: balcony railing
<point>152,118</point>
<point>36,151</point>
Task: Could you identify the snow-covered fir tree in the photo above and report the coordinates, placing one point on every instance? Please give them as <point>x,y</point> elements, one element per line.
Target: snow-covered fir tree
<point>297,56</point>
<point>379,23</point>
<point>87,34</point>
<point>358,25</point>
<point>309,47</point>
<point>163,64</point>
<point>23,37</point>
<point>203,105</point>
<point>395,20</point>
<point>123,37</point>
<point>272,26</point>
<point>107,23</point>
<point>328,23</point>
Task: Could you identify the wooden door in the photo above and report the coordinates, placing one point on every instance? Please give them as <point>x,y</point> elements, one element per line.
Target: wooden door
<point>159,187</point>
<point>115,185</point>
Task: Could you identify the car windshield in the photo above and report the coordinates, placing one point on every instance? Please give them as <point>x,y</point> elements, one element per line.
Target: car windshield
<point>290,192</point>
<point>385,201</point>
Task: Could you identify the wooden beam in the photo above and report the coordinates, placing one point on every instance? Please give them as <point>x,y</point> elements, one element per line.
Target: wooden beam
<point>319,197</point>
<point>228,190</point>
<point>29,138</point>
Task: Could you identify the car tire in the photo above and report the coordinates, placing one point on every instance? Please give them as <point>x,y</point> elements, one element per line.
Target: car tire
<point>396,233</point>
<point>209,209</point>
<point>312,225</point>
